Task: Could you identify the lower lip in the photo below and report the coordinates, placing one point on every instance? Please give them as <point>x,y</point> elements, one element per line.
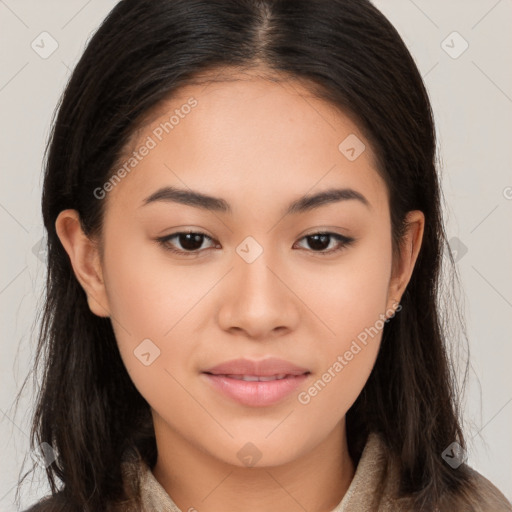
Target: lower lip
<point>256,393</point>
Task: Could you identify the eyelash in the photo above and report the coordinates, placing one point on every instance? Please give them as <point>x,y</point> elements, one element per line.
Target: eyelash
<point>344,242</point>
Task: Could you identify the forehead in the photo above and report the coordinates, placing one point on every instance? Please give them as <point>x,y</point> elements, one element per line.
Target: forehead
<point>247,136</point>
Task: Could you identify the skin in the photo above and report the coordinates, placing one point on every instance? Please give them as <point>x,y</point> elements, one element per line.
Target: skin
<point>259,145</point>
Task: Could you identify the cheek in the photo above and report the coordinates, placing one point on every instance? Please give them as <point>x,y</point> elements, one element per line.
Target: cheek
<point>148,292</point>
<point>150,301</point>
<point>335,388</point>
<point>348,294</point>
<point>352,303</point>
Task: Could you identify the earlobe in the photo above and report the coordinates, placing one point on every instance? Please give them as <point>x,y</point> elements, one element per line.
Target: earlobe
<point>409,251</point>
<point>84,257</point>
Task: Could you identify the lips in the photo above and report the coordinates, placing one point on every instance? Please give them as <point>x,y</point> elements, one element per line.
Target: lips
<point>256,383</point>
<point>271,367</point>
<point>255,393</point>
<point>256,378</point>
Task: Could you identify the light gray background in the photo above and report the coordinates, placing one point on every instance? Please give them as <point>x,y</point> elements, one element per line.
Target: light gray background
<point>472,101</point>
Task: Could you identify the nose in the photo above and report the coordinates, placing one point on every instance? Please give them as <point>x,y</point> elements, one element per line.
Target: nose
<point>258,299</point>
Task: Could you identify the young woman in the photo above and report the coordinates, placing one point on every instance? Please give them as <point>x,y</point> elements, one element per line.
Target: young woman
<point>245,242</point>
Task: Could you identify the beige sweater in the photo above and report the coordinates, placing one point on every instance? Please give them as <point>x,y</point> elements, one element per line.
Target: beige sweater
<point>371,489</point>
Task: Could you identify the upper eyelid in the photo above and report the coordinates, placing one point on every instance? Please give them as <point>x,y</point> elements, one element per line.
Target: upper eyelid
<point>344,238</point>
<point>198,232</point>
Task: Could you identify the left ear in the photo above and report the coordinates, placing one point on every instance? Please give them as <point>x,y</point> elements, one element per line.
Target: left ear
<point>408,254</point>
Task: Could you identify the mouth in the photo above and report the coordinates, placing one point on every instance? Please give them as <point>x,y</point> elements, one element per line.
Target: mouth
<point>256,378</point>
<point>255,390</point>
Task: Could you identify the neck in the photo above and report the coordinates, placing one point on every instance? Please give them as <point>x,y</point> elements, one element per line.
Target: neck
<point>317,481</point>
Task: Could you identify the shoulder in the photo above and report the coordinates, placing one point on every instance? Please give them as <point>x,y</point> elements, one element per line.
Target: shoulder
<point>480,496</point>
<point>477,494</point>
<point>60,503</point>
<point>55,503</point>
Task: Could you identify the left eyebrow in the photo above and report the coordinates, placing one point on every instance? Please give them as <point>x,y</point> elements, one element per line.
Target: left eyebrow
<point>217,204</point>
<point>332,195</point>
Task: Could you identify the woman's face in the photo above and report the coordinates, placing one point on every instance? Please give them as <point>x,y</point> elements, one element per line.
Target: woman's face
<point>254,284</point>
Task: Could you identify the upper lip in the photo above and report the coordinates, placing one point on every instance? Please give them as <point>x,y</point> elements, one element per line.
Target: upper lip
<point>263,368</point>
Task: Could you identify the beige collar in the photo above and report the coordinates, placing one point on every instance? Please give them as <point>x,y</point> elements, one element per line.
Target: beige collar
<point>372,482</point>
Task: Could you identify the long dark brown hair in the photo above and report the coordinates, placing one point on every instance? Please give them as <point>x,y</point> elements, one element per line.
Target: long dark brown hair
<point>347,53</point>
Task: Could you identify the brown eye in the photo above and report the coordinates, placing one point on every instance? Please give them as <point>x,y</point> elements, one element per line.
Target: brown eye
<point>319,242</point>
<point>190,242</point>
